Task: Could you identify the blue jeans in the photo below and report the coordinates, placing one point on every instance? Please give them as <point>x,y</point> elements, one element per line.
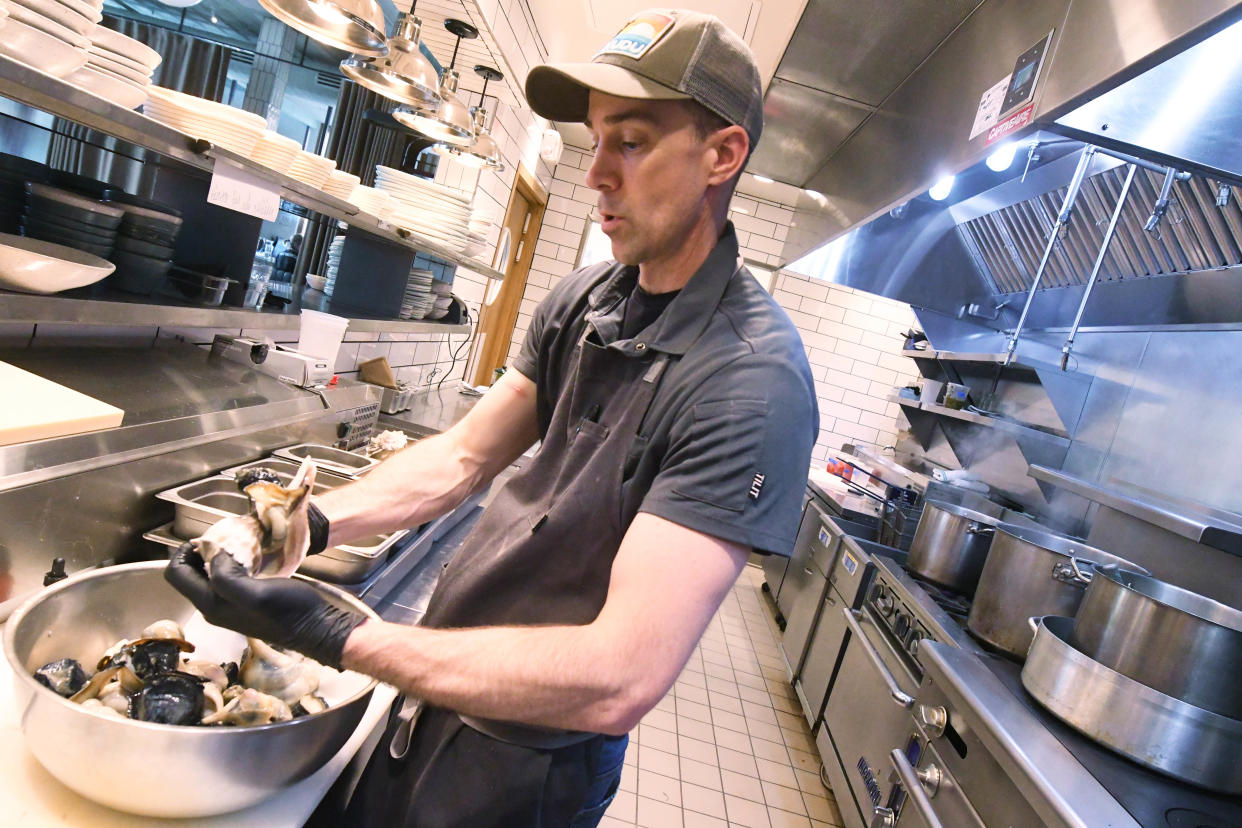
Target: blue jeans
<point>604,786</point>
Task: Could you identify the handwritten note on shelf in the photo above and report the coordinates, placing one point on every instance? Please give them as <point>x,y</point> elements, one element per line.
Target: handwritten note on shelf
<point>237,189</point>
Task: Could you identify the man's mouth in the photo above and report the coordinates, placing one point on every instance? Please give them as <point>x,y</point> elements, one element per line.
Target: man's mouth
<point>607,220</point>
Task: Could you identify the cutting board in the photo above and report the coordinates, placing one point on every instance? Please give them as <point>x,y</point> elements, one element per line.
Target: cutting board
<point>35,408</point>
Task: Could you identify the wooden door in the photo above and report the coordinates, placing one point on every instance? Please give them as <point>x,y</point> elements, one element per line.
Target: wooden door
<point>523,218</point>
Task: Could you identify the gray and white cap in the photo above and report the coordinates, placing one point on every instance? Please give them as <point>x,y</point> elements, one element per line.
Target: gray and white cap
<point>660,54</point>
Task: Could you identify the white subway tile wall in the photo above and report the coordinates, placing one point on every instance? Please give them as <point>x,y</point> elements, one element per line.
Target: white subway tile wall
<point>852,338</point>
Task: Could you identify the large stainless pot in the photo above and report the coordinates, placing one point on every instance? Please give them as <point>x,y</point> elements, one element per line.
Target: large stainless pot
<point>1150,727</point>
<point>1029,573</point>
<point>951,545</point>
<point>1171,639</point>
<point>155,769</point>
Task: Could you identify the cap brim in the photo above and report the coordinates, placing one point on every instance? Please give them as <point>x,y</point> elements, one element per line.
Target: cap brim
<point>562,92</point>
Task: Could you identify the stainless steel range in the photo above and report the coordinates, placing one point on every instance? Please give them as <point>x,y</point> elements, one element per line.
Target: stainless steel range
<point>923,727</point>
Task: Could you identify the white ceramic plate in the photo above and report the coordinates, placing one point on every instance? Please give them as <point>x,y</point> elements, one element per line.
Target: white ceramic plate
<point>36,48</point>
<point>109,87</point>
<point>62,14</point>
<point>131,66</point>
<point>209,109</point>
<point>33,266</point>
<point>36,20</point>
<point>399,178</point>
<point>117,68</point>
<point>114,41</point>
<point>86,8</point>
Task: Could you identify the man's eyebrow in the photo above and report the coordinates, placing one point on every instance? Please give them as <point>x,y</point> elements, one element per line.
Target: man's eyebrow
<point>624,115</point>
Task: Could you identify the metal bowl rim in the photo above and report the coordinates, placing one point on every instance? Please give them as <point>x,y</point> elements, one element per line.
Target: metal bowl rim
<point>964,512</point>
<point>19,669</point>
<point>1127,579</point>
<point>1081,549</point>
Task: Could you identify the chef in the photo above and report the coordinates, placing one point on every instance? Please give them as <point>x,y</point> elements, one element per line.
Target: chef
<point>676,413</point>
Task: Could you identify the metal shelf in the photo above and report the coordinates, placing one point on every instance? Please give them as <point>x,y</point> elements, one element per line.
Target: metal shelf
<point>961,356</point>
<point>29,86</point>
<point>1196,521</point>
<point>21,307</point>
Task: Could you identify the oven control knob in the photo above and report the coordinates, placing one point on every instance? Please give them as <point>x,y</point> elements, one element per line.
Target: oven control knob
<point>934,719</point>
<point>929,777</point>
<point>913,646</point>
<point>883,818</point>
<point>901,625</point>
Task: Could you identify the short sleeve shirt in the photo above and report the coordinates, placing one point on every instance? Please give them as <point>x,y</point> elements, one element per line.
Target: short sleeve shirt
<point>726,444</point>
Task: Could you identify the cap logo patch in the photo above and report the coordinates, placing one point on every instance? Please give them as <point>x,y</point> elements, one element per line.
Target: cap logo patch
<point>637,36</point>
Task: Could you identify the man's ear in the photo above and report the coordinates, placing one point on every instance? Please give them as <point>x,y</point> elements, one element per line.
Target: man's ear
<point>732,146</point>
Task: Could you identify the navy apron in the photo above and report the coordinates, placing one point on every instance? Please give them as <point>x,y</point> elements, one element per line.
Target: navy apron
<point>541,553</point>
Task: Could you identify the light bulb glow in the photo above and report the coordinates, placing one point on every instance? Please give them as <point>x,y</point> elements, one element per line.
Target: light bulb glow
<point>941,189</point>
<point>1002,157</point>
<point>328,11</point>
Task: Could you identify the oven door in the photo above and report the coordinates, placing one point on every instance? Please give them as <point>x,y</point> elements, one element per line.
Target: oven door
<point>868,714</point>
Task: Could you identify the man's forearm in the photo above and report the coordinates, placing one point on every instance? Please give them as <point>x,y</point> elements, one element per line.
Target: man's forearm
<point>412,487</point>
<point>557,676</point>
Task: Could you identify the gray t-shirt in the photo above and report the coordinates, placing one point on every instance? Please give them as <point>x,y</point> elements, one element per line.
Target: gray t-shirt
<point>726,445</point>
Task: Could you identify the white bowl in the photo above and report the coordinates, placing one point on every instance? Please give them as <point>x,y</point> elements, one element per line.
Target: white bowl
<point>40,50</point>
<point>62,14</point>
<point>114,41</point>
<point>33,266</point>
<point>316,281</point>
<point>108,86</point>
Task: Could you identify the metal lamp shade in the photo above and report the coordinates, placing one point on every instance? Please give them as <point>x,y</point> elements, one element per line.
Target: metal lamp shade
<point>451,124</point>
<point>484,152</point>
<point>404,75</point>
<point>353,25</point>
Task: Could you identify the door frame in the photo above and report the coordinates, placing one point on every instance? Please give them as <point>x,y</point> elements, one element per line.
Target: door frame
<point>500,316</point>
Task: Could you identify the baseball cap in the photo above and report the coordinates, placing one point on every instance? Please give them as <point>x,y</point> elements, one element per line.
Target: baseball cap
<point>660,54</point>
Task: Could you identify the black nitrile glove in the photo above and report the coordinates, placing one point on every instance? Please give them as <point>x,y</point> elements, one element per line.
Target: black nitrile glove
<point>318,523</point>
<point>282,611</point>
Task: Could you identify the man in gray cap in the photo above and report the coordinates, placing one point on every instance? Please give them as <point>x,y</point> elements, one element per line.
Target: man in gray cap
<point>676,414</point>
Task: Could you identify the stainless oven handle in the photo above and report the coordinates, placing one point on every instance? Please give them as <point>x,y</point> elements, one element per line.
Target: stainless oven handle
<point>914,788</point>
<point>894,690</point>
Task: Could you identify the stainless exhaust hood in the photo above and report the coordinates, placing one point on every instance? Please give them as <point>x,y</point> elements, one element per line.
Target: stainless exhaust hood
<point>1140,77</point>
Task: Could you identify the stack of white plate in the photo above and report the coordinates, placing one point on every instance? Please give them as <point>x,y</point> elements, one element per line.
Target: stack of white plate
<point>426,208</point>
<point>118,68</point>
<point>275,151</point>
<point>333,265</point>
<point>442,297</point>
<point>341,184</point>
<point>311,169</point>
<point>476,233</point>
<point>49,35</point>
<point>419,299</point>
<point>373,202</point>
<point>229,127</point>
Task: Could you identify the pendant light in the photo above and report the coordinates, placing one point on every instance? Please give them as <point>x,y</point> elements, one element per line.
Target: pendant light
<point>404,74</point>
<point>353,25</point>
<point>484,152</point>
<point>451,122</point>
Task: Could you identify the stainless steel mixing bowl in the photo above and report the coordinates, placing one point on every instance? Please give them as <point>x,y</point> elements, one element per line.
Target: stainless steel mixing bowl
<point>154,769</point>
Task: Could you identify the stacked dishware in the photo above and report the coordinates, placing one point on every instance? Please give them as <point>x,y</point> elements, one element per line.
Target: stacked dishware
<point>373,202</point>
<point>340,184</point>
<point>1148,669</point>
<point>69,219</point>
<point>144,248</point>
<point>15,171</point>
<point>434,212</point>
<point>311,169</point>
<point>418,299</point>
<point>442,297</point>
<point>275,151</point>
<point>49,35</point>
<point>476,233</point>
<point>234,129</point>
<point>119,68</point>
<point>333,264</point>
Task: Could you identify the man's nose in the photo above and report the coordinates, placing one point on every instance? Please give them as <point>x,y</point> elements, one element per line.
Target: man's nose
<point>601,174</point>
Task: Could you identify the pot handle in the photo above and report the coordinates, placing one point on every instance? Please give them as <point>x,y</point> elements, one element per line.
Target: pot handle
<point>1078,571</point>
<point>1033,622</point>
<point>980,529</point>
<point>895,692</point>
